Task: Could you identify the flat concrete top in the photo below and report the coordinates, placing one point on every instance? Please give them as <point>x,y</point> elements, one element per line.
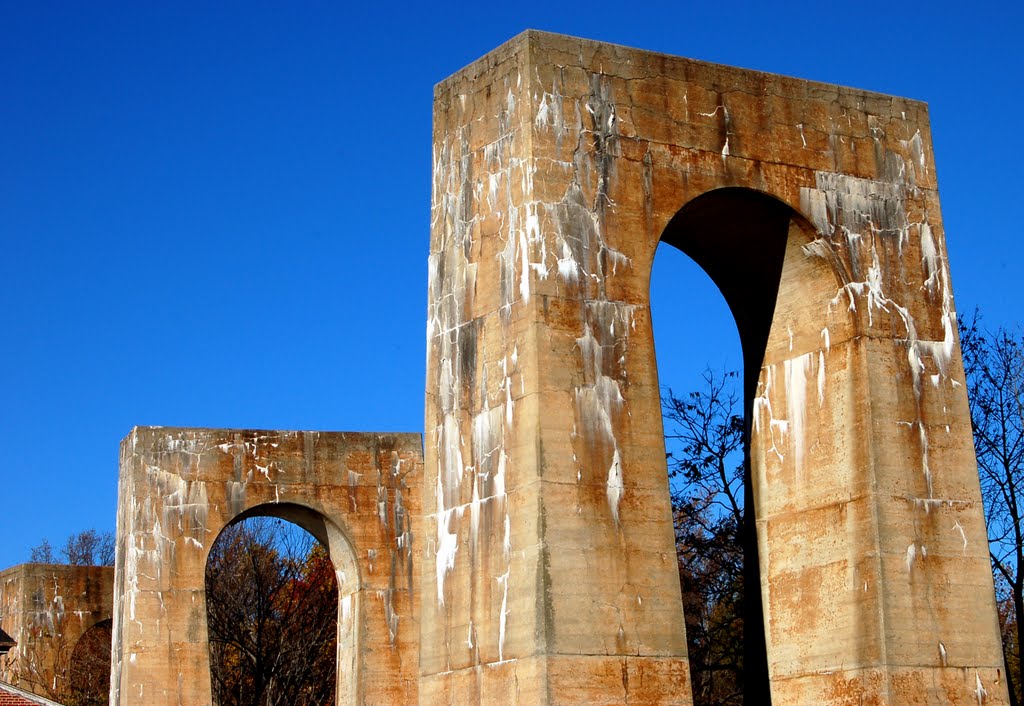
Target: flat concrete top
<point>644,60</point>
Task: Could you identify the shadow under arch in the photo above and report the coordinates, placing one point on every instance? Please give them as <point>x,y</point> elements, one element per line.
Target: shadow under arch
<point>738,237</point>
<point>753,246</point>
<point>347,579</point>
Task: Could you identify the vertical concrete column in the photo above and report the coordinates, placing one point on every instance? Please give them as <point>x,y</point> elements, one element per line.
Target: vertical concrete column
<point>869,509</point>
<point>549,571</point>
<point>160,653</point>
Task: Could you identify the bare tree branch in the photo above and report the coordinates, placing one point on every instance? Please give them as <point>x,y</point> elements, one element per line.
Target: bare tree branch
<point>994,366</point>
<point>272,606</point>
<point>704,435</point>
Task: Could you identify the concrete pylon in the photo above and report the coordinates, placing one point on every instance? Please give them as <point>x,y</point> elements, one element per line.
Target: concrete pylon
<point>548,567</point>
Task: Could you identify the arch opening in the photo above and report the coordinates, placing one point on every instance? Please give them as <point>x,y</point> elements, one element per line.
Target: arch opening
<point>738,237</point>
<point>89,673</point>
<point>702,410</point>
<point>751,246</point>
<point>281,592</point>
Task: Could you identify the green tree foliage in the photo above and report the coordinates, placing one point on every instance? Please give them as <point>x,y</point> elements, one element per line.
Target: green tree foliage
<point>272,611</point>
<point>994,366</point>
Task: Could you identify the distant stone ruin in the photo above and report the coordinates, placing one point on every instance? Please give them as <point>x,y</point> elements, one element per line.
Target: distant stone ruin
<point>527,557</point>
<point>358,494</point>
<point>47,609</point>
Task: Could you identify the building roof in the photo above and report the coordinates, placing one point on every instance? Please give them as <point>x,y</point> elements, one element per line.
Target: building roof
<point>13,696</point>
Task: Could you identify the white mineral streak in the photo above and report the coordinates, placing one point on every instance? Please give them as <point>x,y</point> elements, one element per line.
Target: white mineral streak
<point>264,470</point>
<point>714,112</point>
<point>560,240</point>
<point>915,147</point>
<point>787,437</point>
<point>821,378</point>
<point>503,615</point>
<point>474,515</point>
<point>472,428</point>
<point>929,259</point>
<point>963,535</point>
<point>615,487</point>
<point>583,259</point>
<point>382,505</point>
<point>185,502</point>
<point>599,404</point>
<point>979,691</point>
<point>860,223</point>
<point>764,418</point>
<point>506,544</point>
<point>796,375</point>
<point>575,223</point>
<point>151,534</point>
<point>390,615</point>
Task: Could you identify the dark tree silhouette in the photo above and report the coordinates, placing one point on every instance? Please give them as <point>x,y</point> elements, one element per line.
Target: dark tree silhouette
<point>86,548</point>
<point>704,435</point>
<point>994,366</point>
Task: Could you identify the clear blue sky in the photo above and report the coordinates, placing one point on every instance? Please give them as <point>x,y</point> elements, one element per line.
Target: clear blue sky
<point>216,214</point>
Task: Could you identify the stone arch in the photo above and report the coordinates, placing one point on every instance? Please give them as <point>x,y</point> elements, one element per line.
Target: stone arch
<point>179,488</point>
<point>47,608</point>
<point>751,245</point>
<point>348,581</point>
<point>558,165</point>
<point>755,247</point>
<point>90,662</point>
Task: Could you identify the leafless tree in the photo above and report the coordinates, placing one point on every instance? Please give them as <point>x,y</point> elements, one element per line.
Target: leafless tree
<point>704,434</point>
<point>89,673</point>
<point>41,665</point>
<point>43,553</point>
<point>85,548</point>
<point>994,365</point>
<point>272,610</point>
<point>89,548</point>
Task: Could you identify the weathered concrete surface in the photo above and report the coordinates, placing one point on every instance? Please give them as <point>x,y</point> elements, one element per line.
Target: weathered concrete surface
<point>549,571</point>
<point>46,608</point>
<point>358,493</point>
